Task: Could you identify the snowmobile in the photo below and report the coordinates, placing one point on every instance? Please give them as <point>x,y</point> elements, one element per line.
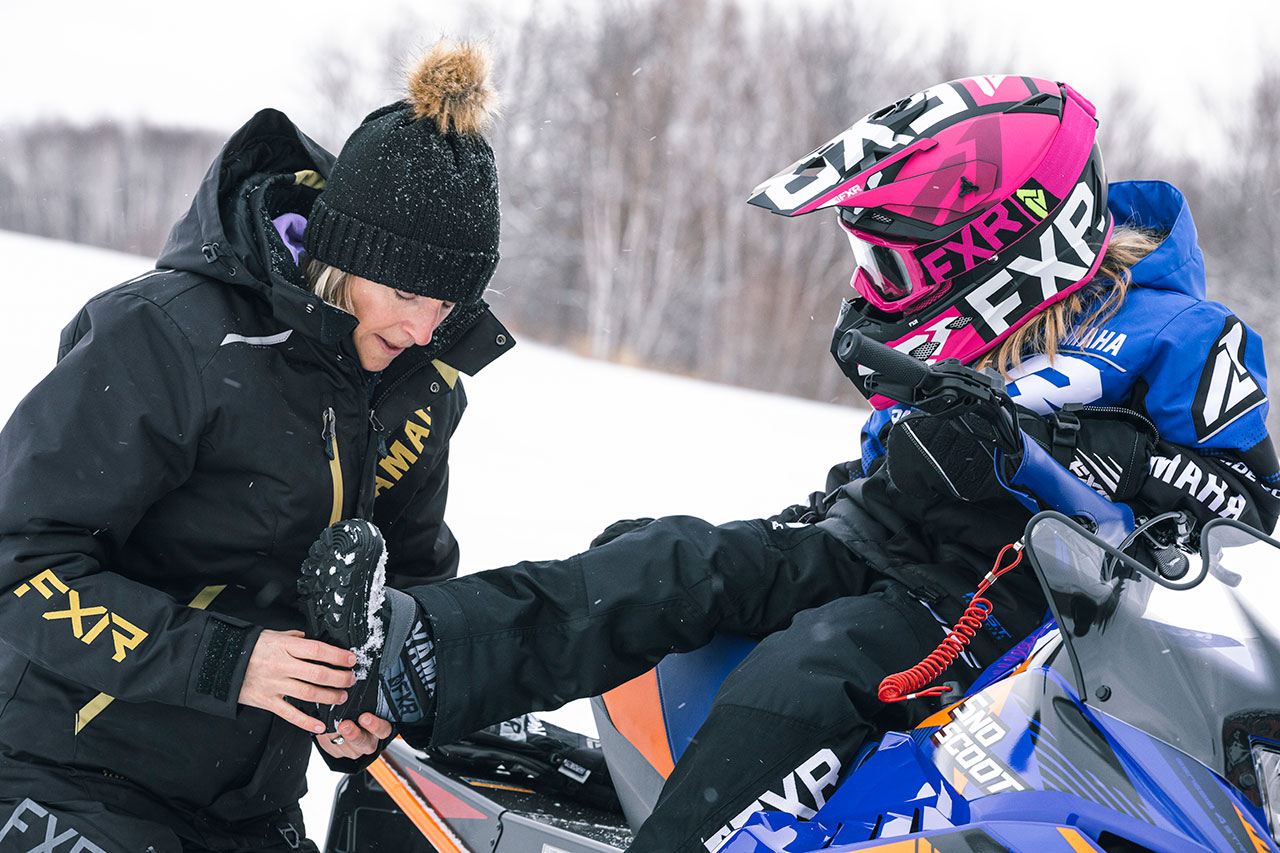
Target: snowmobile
<point>1143,717</point>
<point>484,794</point>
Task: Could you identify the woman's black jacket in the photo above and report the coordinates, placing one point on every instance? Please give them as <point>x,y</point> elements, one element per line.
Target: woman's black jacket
<point>205,421</point>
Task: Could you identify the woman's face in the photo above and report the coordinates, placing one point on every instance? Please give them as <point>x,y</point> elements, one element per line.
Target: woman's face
<point>391,321</point>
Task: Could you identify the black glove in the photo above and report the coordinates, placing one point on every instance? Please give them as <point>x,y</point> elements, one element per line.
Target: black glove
<point>805,513</point>
<point>932,456</point>
<point>613,531</point>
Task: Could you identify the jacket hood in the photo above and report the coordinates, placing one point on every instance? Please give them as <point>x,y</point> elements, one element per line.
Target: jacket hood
<point>1177,264</point>
<point>226,233</point>
<point>269,143</point>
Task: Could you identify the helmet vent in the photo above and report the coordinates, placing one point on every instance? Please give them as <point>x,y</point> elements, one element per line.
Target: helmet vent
<point>959,323</point>
<point>925,350</point>
<point>890,110</point>
<point>1044,102</point>
<point>883,219</point>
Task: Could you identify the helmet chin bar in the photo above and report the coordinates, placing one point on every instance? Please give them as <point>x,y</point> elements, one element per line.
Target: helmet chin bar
<point>840,350</point>
<point>909,349</point>
<point>851,319</point>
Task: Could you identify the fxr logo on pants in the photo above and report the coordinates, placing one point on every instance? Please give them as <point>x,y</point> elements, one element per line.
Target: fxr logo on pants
<point>817,775</point>
<point>53,840</point>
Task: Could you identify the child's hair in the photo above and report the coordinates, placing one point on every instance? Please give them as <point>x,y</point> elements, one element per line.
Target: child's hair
<point>328,282</point>
<point>1046,332</point>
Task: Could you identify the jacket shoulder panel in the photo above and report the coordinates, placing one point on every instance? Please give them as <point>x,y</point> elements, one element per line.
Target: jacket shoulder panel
<point>1208,380</point>
<point>205,310</point>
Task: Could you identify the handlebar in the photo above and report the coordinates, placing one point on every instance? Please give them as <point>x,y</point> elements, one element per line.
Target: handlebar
<point>897,367</point>
<point>947,388</point>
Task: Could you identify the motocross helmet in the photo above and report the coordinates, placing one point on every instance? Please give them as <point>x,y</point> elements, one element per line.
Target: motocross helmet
<point>970,207</point>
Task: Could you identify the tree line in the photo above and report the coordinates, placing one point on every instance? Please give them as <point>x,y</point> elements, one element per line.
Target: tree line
<point>629,142</point>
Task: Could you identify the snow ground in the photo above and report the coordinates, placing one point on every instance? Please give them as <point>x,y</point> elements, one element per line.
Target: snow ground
<point>553,447</point>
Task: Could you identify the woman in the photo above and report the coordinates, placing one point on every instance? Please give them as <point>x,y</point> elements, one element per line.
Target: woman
<point>984,230</point>
<point>203,423</point>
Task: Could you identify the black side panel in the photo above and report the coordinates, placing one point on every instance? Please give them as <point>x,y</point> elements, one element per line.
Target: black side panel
<point>365,820</point>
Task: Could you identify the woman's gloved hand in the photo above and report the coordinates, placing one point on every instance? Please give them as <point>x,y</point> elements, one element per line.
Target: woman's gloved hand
<point>932,456</point>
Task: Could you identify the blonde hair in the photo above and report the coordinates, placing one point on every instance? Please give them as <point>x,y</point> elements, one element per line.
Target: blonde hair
<point>1046,332</point>
<point>329,283</point>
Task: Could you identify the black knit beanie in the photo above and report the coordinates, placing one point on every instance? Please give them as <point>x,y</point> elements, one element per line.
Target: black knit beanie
<point>412,201</point>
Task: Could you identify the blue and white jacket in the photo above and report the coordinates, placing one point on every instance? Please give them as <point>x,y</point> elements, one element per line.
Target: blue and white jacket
<point>1186,363</point>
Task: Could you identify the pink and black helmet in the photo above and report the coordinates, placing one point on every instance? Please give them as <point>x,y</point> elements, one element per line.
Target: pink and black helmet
<point>970,206</point>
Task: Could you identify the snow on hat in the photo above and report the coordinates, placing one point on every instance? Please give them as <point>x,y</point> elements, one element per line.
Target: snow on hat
<point>412,201</point>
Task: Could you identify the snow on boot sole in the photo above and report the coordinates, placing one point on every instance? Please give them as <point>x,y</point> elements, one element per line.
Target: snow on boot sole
<point>342,592</point>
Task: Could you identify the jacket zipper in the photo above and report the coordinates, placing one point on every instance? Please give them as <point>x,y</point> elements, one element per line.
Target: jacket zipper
<point>1115,410</point>
<point>1120,410</point>
<point>381,434</point>
<point>330,434</point>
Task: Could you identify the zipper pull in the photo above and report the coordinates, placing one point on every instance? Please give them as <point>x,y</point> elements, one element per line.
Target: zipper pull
<point>383,452</point>
<point>330,433</point>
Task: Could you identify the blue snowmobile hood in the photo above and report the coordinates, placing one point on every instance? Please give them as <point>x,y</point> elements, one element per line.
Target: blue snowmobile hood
<point>1177,264</point>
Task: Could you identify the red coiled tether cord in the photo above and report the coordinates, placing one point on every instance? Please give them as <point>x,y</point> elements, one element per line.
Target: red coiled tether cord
<point>908,685</point>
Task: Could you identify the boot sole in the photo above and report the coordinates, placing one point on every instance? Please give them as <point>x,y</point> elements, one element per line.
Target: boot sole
<point>343,607</point>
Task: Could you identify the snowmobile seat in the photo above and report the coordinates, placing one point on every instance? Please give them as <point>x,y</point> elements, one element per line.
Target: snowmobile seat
<point>646,724</point>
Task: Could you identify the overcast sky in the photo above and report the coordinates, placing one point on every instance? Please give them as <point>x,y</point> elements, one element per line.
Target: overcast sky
<point>213,64</point>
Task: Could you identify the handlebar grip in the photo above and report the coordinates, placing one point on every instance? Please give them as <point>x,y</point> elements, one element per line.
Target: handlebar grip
<point>895,366</point>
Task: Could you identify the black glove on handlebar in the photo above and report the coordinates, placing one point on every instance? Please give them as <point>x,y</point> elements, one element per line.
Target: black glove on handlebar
<point>930,456</point>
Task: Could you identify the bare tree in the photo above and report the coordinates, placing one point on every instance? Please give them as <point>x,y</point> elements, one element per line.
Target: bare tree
<point>108,185</point>
<point>657,119</point>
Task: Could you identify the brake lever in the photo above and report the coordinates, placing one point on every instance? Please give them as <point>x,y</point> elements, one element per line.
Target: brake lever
<point>946,389</point>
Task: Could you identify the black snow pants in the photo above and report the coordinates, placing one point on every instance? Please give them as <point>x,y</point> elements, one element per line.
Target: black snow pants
<point>785,723</point>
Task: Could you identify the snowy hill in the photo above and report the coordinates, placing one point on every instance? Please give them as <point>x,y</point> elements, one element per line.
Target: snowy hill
<point>552,449</point>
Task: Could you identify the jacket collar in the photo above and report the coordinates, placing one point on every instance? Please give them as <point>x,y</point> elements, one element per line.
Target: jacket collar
<point>482,342</point>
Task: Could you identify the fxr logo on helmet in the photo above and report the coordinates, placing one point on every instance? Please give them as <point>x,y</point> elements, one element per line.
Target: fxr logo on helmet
<point>849,193</point>
<point>979,241</point>
<point>1027,283</point>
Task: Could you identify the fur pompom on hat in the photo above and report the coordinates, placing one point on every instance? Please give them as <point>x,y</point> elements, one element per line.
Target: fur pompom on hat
<point>412,202</point>
<point>450,85</point>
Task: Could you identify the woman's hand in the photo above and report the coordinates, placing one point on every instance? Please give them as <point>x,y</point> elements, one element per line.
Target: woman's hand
<point>287,664</point>
<point>356,740</point>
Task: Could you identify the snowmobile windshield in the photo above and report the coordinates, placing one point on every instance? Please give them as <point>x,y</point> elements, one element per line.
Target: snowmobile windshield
<point>1191,657</point>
